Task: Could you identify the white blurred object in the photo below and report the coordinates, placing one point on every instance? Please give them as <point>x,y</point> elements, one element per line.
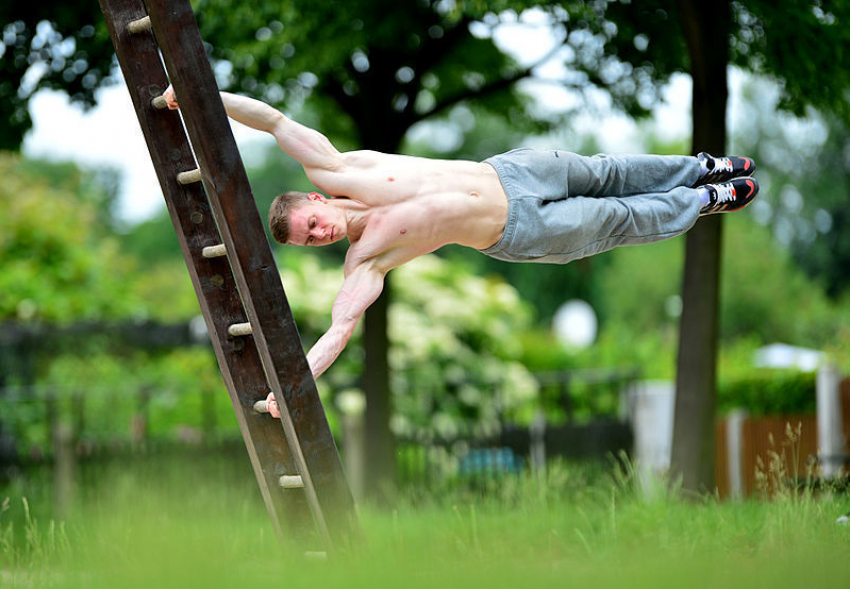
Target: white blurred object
<point>786,356</point>
<point>831,455</point>
<point>651,405</point>
<point>575,324</point>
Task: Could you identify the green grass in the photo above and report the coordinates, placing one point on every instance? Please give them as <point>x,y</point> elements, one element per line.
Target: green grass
<point>200,523</point>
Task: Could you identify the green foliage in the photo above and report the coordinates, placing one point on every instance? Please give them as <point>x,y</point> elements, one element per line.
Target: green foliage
<point>764,293</point>
<point>805,174</point>
<point>454,351</point>
<point>769,392</point>
<point>640,286</point>
<point>152,240</point>
<point>371,68</point>
<point>112,399</point>
<point>790,41</point>
<point>55,266</point>
<point>651,352</point>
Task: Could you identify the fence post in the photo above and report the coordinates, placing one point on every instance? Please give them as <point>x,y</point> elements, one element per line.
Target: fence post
<point>64,468</point>
<point>139,419</point>
<point>651,408</point>
<point>735,452</point>
<point>352,407</point>
<point>830,434</point>
<point>537,435</point>
<point>50,413</point>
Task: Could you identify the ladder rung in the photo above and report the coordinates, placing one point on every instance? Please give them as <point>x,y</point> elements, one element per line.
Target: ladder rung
<point>138,26</point>
<point>159,102</point>
<point>291,481</point>
<point>214,251</point>
<point>189,176</point>
<point>238,329</point>
<point>261,406</point>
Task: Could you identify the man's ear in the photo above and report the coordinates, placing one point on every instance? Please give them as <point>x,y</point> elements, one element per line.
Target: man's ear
<point>316,197</point>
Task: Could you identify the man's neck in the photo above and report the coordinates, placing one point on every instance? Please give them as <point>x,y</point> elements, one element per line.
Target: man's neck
<point>356,216</point>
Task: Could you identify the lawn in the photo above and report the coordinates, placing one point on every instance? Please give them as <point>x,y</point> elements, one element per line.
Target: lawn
<point>155,522</point>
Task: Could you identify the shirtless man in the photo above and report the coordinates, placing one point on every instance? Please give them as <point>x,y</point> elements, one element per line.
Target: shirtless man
<point>525,205</point>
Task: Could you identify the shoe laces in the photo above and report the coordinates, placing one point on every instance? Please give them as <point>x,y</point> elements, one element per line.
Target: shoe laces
<point>723,164</point>
<point>725,193</point>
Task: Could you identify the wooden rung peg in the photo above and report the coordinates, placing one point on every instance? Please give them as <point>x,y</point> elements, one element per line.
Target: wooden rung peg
<point>138,26</point>
<point>238,329</point>
<point>214,251</point>
<point>261,406</point>
<point>189,177</point>
<point>291,481</point>
<point>159,102</point>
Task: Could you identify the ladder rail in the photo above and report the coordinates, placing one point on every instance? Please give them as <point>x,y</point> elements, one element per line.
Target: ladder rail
<point>239,358</point>
<point>254,267</point>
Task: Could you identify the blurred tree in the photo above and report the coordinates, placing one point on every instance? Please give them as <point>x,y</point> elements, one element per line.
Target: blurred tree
<point>61,45</point>
<point>152,240</point>
<point>785,41</point>
<point>805,163</point>
<point>759,36</point>
<point>373,68</point>
<point>766,297</point>
<point>56,265</point>
<point>820,239</point>
<point>454,350</point>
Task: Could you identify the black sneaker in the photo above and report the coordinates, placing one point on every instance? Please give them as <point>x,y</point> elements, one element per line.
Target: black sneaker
<point>729,196</point>
<point>723,169</point>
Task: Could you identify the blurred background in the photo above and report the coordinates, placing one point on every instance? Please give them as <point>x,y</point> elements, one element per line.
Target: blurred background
<point>484,368</point>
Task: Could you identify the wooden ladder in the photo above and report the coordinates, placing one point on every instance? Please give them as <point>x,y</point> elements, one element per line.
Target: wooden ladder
<point>234,273</point>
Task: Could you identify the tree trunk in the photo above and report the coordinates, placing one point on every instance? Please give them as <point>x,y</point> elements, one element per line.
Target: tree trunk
<point>706,28</point>
<point>380,447</point>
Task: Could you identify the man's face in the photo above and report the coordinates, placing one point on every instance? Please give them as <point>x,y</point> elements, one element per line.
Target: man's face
<point>316,223</point>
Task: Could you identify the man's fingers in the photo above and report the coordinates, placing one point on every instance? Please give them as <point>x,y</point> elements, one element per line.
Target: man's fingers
<point>271,405</point>
<point>170,98</point>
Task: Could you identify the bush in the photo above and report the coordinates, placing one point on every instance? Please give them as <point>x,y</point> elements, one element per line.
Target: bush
<point>769,391</point>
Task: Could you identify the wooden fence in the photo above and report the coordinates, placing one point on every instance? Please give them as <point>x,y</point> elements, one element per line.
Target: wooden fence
<point>774,450</point>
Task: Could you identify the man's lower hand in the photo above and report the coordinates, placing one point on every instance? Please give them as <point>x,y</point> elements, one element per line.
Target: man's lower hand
<point>170,98</point>
<point>271,405</point>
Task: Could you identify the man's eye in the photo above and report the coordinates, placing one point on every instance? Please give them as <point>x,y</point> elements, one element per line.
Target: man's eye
<point>310,240</point>
<point>312,223</point>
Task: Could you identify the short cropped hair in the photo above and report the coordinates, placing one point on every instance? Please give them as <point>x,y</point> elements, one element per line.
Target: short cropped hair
<point>280,210</point>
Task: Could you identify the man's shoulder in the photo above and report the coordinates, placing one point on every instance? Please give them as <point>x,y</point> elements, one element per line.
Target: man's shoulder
<point>363,158</point>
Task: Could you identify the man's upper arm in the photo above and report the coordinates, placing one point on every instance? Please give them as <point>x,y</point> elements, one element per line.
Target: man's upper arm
<point>309,147</point>
<point>361,288</point>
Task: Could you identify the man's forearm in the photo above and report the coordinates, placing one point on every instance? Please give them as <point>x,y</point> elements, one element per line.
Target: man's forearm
<point>327,349</point>
<point>359,290</point>
<point>250,112</point>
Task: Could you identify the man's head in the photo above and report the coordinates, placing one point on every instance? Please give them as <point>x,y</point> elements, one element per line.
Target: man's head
<point>300,218</point>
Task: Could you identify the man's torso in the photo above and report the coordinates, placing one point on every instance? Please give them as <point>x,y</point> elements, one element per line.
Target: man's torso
<point>417,205</point>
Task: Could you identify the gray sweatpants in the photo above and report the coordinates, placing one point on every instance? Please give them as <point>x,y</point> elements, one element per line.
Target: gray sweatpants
<point>563,206</point>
